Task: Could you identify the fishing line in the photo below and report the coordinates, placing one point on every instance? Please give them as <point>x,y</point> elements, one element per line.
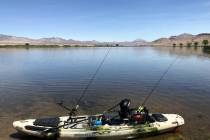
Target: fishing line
<point>93,77</point>
<point>158,82</point>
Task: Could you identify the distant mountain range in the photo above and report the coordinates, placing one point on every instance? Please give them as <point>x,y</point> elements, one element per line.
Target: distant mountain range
<point>183,38</point>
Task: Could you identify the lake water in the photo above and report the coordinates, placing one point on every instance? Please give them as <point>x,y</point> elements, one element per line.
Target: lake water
<point>33,80</point>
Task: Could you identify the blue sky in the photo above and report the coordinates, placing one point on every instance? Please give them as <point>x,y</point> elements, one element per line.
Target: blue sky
<point>104,20</point>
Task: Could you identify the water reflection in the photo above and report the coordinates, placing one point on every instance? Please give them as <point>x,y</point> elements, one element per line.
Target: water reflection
<point>32,80</point>
<point>206,49</point>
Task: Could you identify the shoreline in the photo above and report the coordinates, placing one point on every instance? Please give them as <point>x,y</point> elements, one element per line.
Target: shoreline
<point>86,46</point>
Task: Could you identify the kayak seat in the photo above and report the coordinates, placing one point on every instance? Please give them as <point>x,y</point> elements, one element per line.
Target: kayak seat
<point>150,119</point>
<point>48,122</point>
<point>159,117</point>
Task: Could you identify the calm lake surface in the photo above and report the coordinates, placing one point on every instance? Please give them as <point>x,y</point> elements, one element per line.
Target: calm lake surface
<point>33,80</point>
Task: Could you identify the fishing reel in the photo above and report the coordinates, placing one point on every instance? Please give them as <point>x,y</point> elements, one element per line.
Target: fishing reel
<point>72,111</point>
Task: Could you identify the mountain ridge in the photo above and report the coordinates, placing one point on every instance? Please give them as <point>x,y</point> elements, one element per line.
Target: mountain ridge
<point>165,41</point>
<point>182,39</point>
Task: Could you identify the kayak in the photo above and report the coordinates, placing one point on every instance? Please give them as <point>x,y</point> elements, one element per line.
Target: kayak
<point>86,126</point>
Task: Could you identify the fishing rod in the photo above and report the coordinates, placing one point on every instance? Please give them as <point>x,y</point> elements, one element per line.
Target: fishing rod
<point>152,90</point>
<point>75,108</point>
<point>158,82</point>
<point>93,77</point>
